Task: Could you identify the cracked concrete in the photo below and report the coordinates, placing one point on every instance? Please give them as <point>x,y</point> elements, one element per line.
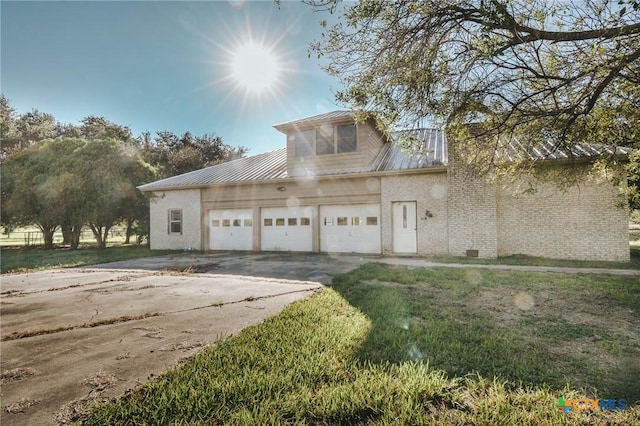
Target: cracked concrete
<point>121,324</point>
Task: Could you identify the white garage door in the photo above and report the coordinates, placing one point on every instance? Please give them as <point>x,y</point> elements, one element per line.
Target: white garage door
<point>350,228</point>
<point>231,229</point>
<point>286,229</point>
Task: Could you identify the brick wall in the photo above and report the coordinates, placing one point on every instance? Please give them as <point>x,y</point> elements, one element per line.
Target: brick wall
<point>471,211</point>
<point>585,222</point>
<point>189,201</point>
<point>430,193</point>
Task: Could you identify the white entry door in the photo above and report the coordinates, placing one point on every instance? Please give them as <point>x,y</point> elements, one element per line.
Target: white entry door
<point>286,229</point>
<point>231,229</point>
<point>350,228</point>
<point>405,233</point>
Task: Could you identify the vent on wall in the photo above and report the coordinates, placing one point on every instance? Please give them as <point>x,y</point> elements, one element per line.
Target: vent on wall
<point>472,253</point>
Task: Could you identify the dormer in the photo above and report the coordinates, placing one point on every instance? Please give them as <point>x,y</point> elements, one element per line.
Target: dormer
<point>330,143</point>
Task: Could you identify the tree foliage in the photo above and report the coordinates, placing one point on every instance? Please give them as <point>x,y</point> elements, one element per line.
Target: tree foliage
<point>562,72</point>
<point>58,175</point>
<point>512,61</point>
<point>173,155</point>
<point>71,182</point>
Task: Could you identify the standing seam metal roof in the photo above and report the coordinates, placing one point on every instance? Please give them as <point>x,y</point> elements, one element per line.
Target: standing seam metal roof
<point>407,150</point>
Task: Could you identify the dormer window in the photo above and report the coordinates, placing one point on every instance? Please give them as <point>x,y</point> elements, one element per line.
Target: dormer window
<point>303,142</point>
<point>325,143</point>
<point>346,140</point>
<point>326,140</point>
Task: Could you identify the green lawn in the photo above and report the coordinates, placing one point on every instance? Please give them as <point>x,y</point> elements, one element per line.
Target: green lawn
<point>23,259</point>
<point>391,345</point>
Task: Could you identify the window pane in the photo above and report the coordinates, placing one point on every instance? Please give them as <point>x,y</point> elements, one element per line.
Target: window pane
<point>347,138</point>
<point>372,220</point>
<point>357,221</point>
<point>328,221</point>
<point>215,223</point>
<point>268,222</point>
<point>175,221</point>
<point>280,221</point>
<point>305,221</point>
<point>226,222</point>
<point>404,217</point>
<point>237,222</point>
<point>292,221</point>
<point>342,221</point>
<point>248,222</point>
<point>324,140</point>
<point>303,143</point>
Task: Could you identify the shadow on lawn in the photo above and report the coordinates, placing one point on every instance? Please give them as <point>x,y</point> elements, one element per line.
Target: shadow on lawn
<point>425,315</point>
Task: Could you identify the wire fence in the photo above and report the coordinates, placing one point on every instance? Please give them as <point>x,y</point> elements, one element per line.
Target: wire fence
<point>33,237</point>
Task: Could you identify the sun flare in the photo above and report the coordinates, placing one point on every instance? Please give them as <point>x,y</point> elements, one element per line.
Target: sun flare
<point>255,67</point>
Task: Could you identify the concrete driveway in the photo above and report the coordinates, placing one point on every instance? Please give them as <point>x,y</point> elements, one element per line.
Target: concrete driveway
<point>73,336</point>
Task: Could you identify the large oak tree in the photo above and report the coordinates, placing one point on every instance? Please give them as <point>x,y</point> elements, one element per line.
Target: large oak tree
<point>562,72</point>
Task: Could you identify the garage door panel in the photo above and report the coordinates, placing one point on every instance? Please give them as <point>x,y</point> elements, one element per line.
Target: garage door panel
<point>287,228</point>
<point>350,228</point>
<point>231,229</point>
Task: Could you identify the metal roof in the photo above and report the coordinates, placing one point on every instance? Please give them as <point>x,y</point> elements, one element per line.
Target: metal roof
<point>514,150</point>
<point>413,149</point>
<point>270,165</point>
<point>407,150</point>
<point>328,116</point>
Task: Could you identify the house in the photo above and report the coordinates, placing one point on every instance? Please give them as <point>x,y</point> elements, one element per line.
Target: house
<point>338,186</point>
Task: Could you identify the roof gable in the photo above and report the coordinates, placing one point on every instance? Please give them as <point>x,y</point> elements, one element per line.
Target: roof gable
<point>316,119</point>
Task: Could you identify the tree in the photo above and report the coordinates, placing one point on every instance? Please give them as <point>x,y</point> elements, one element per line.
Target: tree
<point>94,127</point>
<point>172,155</point>
<point>21,131</point>
<point>526,69</point>
<point>37,189</point>
<point>109,171</point>
<point>72,182</point>
<point>7,121</point>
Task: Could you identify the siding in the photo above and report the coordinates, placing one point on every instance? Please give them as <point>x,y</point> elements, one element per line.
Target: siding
<point>359,161</point>
<point>298,191</point>
<point>430,193</point>
<point>188,200</point>
<point>585,222</point>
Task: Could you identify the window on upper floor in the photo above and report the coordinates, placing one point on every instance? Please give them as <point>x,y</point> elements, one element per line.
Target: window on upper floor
<point>346,140</point>
<point>326,140</point>
<point>303,143</point>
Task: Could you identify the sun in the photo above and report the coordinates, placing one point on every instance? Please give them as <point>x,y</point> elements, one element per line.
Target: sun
<point>255,67</point>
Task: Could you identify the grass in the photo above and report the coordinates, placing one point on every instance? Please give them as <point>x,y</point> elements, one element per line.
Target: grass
<point>391,345</point>
<point>24,259</point>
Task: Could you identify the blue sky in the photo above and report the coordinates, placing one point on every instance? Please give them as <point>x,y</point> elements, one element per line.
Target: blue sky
<point>177,66</point>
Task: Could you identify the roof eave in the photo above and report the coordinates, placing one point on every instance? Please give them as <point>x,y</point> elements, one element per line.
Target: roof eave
<point>425,170</point>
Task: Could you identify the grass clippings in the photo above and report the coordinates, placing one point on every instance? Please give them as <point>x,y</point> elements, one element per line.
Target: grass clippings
<point>17,374</point>
<point>109,321</point>
<point>19,406</point>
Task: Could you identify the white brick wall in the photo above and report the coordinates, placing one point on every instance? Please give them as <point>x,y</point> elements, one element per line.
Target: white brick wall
<point>471,210</point>
<point>584,223</point>
<point>189,201</point>
<point>430,193</point>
